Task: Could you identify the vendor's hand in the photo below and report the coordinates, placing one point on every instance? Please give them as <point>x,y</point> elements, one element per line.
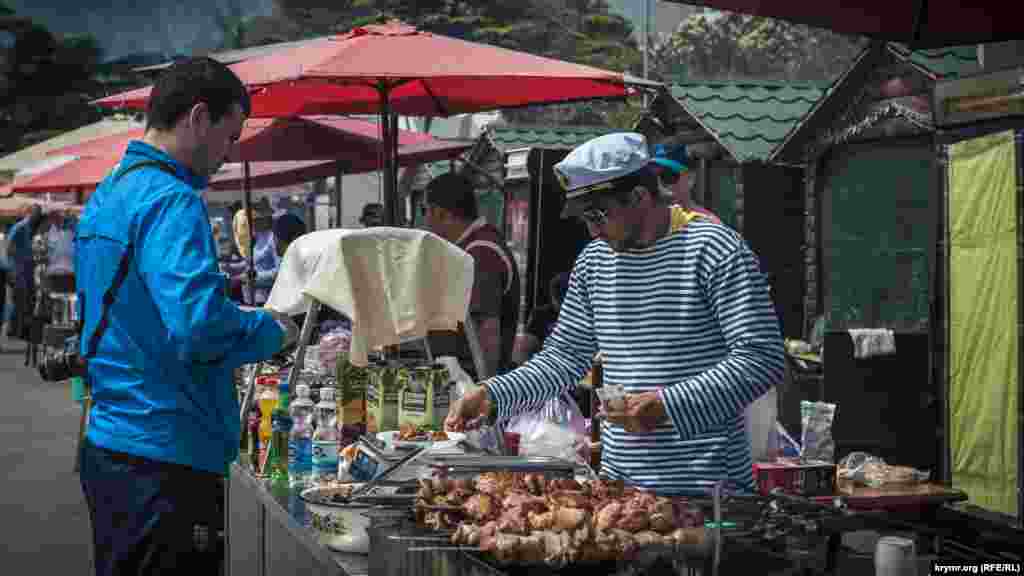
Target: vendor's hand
<point>288,326</point>
<point>468,411</point>
<point>640,413</point>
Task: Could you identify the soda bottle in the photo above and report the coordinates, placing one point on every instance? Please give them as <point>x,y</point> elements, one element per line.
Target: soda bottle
<point>325,438</point>
<point>300,439</point>
<point>267,402</point>
<point>277,459</point>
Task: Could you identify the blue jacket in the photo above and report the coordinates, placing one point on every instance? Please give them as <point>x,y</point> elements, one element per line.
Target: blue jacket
<point>19,249</point>
<point>161,378</point>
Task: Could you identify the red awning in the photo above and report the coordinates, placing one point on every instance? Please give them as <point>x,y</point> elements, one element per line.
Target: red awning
<point>88,171</point>
<point>287,139</point>
<point>423,74</point>
<point>918,23</point>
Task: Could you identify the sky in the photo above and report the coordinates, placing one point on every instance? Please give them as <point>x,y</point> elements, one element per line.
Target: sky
<point>182,26</point>
<point>123,28</point>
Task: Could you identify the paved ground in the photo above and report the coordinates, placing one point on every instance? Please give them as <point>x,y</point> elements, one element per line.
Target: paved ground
<point>44,523</point>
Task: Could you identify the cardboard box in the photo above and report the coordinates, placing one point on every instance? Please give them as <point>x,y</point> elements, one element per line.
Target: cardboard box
<point>382,399</point>
<point>795,477</point>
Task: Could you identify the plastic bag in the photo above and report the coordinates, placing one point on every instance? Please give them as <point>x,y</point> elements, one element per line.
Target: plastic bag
<point>333,345</point>
<point>872,471</point>
<point>817,439</point>
<point>463,383</point>
<point>558,430</point>
<point>612,396</point>
<point>788,447</point>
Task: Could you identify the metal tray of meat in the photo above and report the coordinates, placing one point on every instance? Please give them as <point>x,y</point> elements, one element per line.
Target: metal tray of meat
<point>533,520</point>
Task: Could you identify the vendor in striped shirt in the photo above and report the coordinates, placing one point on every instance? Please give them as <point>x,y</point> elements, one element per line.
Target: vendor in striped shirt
<point>682,315</point>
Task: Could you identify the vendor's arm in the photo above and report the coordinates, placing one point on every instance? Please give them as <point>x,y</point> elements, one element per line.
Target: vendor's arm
<point>561,363</point>
<point>738,296</point>
<point>178,262</point>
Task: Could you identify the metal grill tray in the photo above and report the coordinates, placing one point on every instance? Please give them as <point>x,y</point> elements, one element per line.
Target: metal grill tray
<point>477,463</point>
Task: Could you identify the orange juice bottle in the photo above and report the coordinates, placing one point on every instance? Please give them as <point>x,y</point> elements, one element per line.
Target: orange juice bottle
<point>268,401</point>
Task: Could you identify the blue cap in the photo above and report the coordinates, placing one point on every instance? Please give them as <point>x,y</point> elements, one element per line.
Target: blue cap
<point>674,158</point>
<point>597,163</point>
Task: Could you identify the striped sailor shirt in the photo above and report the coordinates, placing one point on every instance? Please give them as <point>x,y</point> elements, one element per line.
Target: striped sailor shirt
<point>690,317</point>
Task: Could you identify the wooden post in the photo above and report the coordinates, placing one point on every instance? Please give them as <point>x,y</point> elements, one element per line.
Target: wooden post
<point>339,179</point>
<point>812,227</point>
<point>939,331</point>
<point>738,174</point>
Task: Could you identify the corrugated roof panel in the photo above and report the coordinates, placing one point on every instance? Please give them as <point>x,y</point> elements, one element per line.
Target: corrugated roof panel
<point>749,118</point>
<point>557,137</point>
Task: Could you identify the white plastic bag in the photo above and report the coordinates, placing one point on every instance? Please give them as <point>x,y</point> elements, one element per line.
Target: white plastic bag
<point>333,345</point>
<point>557,430</point>
<point>463,383</point>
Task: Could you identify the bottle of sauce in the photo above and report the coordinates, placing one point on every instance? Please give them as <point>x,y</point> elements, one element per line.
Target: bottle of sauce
<point>596,381</point>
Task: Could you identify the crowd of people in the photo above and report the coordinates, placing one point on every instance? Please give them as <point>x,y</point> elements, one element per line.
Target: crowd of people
<point>28,270</point>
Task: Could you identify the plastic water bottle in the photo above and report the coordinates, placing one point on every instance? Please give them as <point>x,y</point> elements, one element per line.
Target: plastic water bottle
<point>325,438</point>
<point>300,439</point>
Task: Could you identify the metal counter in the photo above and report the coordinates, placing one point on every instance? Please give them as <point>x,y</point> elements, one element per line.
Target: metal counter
<point>267,533</point>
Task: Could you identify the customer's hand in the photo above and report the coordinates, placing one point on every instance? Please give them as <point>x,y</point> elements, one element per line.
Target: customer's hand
<point>469,411</point>
<point>290,328</point>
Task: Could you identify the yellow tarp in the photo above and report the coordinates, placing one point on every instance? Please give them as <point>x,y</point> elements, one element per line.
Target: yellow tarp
<point>983,321</point>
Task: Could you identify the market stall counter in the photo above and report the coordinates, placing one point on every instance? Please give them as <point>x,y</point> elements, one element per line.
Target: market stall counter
<point>268,533</point>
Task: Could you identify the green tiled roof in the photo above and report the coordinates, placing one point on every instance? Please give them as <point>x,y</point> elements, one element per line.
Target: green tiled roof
<point>749,118</point>
<point>947,63</point>
<point>507,138</point>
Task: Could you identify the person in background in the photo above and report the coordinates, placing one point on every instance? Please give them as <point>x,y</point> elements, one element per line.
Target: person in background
<point>373,215</point>
<point>452,213</point>
<point>541,321</point>
<point>60,254</point>
<point>287,227</point>
<point>6,276</point>
<point>164,424</point>
<point>240,228</point>
<point>680,311</point>
<point>20,254</point>
<point>671,164</point>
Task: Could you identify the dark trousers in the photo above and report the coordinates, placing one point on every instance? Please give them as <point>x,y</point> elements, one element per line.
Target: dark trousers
<point>3,296</point>
<point>144,514</point>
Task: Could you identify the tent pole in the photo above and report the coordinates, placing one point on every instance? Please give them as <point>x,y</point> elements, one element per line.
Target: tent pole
<point>389,199</point>
<point>393,150</point>
<point>339,176</point>
<point>247,201</point>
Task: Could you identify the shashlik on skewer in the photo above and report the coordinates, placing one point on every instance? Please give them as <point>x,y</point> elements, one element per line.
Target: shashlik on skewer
<point>528,519</point>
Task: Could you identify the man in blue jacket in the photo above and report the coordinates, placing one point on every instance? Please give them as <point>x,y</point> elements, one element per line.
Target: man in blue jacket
<point>159,333</point>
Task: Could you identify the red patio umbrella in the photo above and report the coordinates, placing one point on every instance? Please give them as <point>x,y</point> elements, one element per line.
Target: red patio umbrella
<point>918,23</point>
<point>397,69</point>
<point>86,172</point>
<point>354,142</point>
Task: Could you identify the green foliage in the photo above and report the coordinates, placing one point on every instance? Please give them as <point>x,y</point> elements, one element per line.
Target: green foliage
<point>727,45</point>
<point>44,80</point>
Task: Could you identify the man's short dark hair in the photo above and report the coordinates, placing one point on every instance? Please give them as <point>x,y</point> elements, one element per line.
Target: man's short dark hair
<point>189,82</point>
<point>455,193</point>
<point>624,186</point>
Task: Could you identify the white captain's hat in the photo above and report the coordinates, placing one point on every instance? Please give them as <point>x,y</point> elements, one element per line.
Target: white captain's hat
<point>598,163</point>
